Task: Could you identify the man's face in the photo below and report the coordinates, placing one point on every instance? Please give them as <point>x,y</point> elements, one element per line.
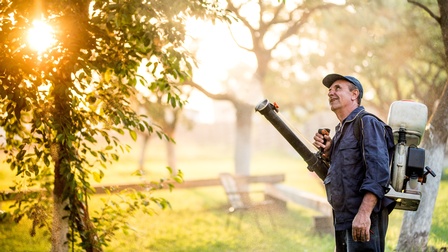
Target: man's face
<point>340,96</point>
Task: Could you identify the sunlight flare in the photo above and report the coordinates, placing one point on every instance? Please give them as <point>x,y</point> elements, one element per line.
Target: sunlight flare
<point>41,36</point>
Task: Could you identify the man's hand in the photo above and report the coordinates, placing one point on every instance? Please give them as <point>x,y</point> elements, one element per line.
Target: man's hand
<point>361,223</point>
<point>323,142</point>
<point>361,227</point>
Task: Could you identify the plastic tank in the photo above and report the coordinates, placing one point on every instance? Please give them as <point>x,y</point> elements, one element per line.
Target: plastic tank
<point>411,116</point>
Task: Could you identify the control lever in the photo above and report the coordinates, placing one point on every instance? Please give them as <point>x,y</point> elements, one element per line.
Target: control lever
<point>430,171</point>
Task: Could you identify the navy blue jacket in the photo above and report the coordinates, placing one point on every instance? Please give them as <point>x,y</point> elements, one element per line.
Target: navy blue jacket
<point>357,167</point>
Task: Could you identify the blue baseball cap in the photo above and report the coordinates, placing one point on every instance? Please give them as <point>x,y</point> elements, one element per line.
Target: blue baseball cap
<point>331,78</point>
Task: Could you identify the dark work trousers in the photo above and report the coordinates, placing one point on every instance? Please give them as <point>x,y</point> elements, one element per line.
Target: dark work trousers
<point>380,221</point>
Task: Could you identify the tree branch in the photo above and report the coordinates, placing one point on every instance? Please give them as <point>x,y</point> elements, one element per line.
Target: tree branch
<point>236,42</point>
<point>264,26</point>
<point>299,23</point>
<point>221,96</point>
<point>425,8</point>
<point>236,11</point>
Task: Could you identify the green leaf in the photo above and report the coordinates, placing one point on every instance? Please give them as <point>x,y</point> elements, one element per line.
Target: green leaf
<point>115,156</point>
<point>173,102</point>
<point>103,157</point>
<point>46,161</point>
<point>178,179</point>
<point>133,135</point>
<point>98,176</point>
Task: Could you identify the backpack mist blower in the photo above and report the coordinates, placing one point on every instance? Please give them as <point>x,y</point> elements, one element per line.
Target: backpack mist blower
<point>408,171</point>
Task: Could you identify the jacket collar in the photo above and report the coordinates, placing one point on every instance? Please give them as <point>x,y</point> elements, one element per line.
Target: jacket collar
<point>350,117</point>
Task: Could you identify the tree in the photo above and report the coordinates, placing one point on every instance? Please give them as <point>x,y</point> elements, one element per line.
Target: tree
<point>365,45</point>
<point>270,26</point>
<point>57,103</point>
<point>417,225</point>
<point>166,117</point>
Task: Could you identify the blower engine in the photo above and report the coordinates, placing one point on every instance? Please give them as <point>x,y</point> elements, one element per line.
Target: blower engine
<point>408,171</point>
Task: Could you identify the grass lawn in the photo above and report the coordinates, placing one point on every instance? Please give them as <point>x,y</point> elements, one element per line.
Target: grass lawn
<point>197,220</point>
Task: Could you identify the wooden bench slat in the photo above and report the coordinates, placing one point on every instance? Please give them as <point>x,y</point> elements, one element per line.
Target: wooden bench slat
<point>268,179</point>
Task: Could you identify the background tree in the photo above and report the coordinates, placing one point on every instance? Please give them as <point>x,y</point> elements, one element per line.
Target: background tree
<point>165,116</point>
<point>55,104</point>
<point>417,225</point>
<point>269,26</point>
<point>365,45</point>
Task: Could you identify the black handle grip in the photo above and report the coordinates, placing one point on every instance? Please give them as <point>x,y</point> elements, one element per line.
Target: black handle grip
<point>430,171</point>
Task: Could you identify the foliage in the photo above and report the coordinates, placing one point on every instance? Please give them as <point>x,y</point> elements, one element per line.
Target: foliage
<point>56,105</point>
<point>365,45</point>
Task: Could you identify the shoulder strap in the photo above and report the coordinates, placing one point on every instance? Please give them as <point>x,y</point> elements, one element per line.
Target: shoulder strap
<point>357,123</point>
<point>357,129</point>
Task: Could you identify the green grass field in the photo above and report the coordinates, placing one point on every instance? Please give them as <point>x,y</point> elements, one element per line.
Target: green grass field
<point>197,219</point>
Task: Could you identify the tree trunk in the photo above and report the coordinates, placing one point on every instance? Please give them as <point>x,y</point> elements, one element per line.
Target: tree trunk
<point>141,163</point>
<point>171,156</point>
<point>59,242</point>
<point>63,153</point>
<point>416,225</point>
<point>244,114</point>
<point>60,227</point>
<point>170,129</point>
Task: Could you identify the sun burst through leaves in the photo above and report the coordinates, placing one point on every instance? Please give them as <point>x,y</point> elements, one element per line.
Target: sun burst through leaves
<point>41,36</point>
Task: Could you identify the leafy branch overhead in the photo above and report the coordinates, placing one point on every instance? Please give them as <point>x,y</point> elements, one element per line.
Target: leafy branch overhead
<point>56,104</point>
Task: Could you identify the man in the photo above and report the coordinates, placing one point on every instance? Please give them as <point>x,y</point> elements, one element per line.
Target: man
<point>358,176</point>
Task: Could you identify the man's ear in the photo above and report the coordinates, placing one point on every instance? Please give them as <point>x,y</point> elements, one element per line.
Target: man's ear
<point>355,94</point>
